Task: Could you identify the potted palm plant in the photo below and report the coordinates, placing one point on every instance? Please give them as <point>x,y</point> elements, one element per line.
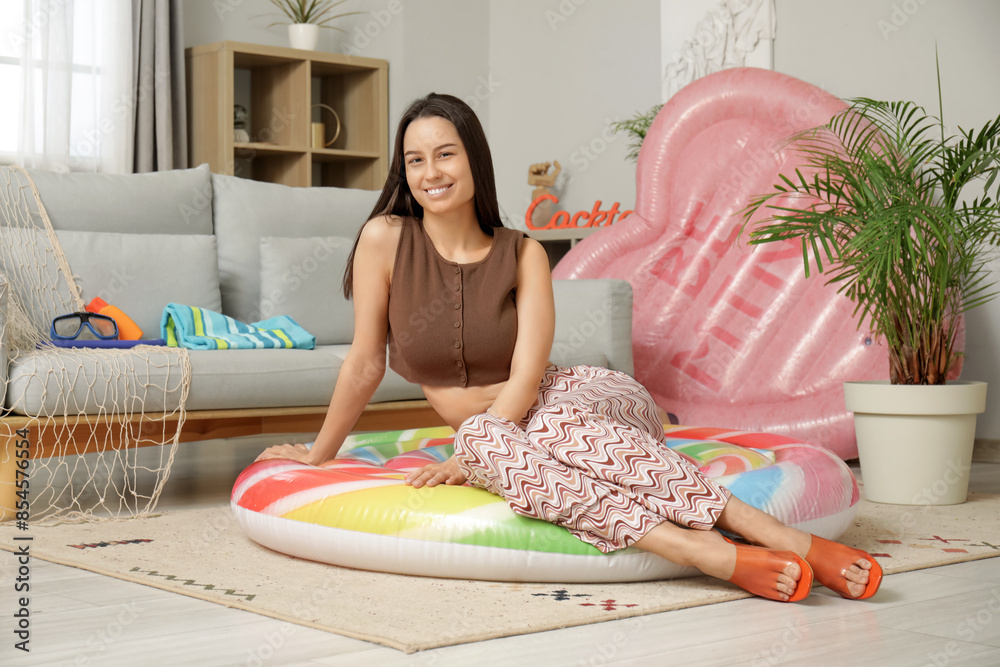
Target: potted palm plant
<point>879,207</point>
<point>307,17</point>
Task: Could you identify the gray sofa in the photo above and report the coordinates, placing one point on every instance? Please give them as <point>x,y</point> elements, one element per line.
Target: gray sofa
<point>250,250</point>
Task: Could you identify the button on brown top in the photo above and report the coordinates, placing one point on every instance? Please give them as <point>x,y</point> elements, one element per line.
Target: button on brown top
<point>474,347</point>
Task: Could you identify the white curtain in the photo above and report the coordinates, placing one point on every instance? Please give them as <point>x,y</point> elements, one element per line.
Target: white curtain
<point>70,63</point>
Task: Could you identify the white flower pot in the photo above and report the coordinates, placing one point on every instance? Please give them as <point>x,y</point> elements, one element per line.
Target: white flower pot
<point>915,441</point>
<point>303,36</point>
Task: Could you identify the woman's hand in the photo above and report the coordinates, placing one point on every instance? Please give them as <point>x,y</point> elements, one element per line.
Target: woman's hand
<point>436,473</point>
<point>293,452</point>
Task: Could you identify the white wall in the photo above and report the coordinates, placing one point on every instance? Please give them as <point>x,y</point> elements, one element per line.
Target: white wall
<point>885,49</point>
<point>565,70</point>
<point>547,76</point>
<point>446,49</point>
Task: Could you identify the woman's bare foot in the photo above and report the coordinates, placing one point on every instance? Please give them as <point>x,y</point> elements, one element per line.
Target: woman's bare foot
<point>857,577</point>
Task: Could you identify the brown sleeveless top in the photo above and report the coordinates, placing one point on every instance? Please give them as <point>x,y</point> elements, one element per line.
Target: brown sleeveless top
<point>452,324</point>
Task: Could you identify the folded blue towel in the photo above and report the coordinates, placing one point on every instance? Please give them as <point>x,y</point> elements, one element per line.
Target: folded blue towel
<point>201,329</point>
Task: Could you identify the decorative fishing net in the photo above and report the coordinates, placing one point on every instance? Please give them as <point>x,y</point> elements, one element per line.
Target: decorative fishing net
<point>82,413</point>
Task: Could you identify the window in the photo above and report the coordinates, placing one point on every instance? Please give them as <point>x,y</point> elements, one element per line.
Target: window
<point>62,66</point>
<point>10,79</point>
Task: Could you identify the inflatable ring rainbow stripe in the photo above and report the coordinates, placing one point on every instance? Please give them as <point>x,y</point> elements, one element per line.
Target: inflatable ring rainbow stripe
<point>357,511</point>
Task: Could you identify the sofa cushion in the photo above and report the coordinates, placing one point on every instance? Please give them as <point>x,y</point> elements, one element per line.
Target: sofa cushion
<point>67,381</point>
<point>301,278</point>
<point>228,379</point>
<point>165,202</point>
<point>142,273</point>
<point>246,211</point>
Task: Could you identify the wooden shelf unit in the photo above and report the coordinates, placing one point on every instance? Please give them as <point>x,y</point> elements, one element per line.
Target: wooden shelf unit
<point>285,86</point>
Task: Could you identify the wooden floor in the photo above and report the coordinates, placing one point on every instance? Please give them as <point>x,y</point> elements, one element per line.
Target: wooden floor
<point>940,617</point>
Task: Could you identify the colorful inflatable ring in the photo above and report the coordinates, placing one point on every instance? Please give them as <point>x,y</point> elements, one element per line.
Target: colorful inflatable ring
<point>358,512</point>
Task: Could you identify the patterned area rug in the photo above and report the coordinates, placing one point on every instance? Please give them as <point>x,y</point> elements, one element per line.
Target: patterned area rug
<point>203,554</point>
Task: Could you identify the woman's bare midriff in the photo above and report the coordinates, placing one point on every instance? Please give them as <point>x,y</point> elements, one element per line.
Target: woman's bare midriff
<point>456,404</point>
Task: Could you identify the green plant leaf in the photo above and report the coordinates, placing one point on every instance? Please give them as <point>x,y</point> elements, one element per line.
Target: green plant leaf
<point>316,12</point>
<point>636,127</point>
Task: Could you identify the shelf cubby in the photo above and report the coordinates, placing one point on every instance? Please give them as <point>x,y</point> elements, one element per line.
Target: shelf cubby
<point>285,87</point>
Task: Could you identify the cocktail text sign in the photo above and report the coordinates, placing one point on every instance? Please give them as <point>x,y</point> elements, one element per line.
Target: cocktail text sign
<point>596,217</point>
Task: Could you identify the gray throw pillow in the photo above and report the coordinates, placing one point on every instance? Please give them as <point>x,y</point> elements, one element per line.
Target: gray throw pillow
<point>246,211</point>
<point>301,277</point>
<point>178,201</point>
<point>142,273</point>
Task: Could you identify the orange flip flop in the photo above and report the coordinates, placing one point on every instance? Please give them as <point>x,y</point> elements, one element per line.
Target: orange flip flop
<point>757,568</point>
<point>831,560</point>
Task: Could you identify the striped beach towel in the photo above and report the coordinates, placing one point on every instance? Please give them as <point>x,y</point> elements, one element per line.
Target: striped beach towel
<point>201,329</point>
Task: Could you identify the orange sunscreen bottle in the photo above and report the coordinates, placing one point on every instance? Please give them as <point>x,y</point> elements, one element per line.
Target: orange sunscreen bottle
<point>127,329</point>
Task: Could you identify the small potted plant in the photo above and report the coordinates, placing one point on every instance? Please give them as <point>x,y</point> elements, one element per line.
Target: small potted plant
<point>879,207</point>
<point>307,17</point>
<point>636,127</point>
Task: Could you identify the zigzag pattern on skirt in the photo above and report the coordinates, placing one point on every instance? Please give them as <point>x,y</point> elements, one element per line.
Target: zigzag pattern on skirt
<point>591,459</point>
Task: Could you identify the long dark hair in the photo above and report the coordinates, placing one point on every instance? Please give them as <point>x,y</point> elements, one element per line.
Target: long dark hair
<point>396,198</point>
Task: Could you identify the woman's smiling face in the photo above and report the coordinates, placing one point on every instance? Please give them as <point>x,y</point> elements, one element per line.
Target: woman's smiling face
<point>437,166</point>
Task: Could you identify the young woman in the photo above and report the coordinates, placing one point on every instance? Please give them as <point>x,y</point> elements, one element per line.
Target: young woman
<point>465,306</point>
